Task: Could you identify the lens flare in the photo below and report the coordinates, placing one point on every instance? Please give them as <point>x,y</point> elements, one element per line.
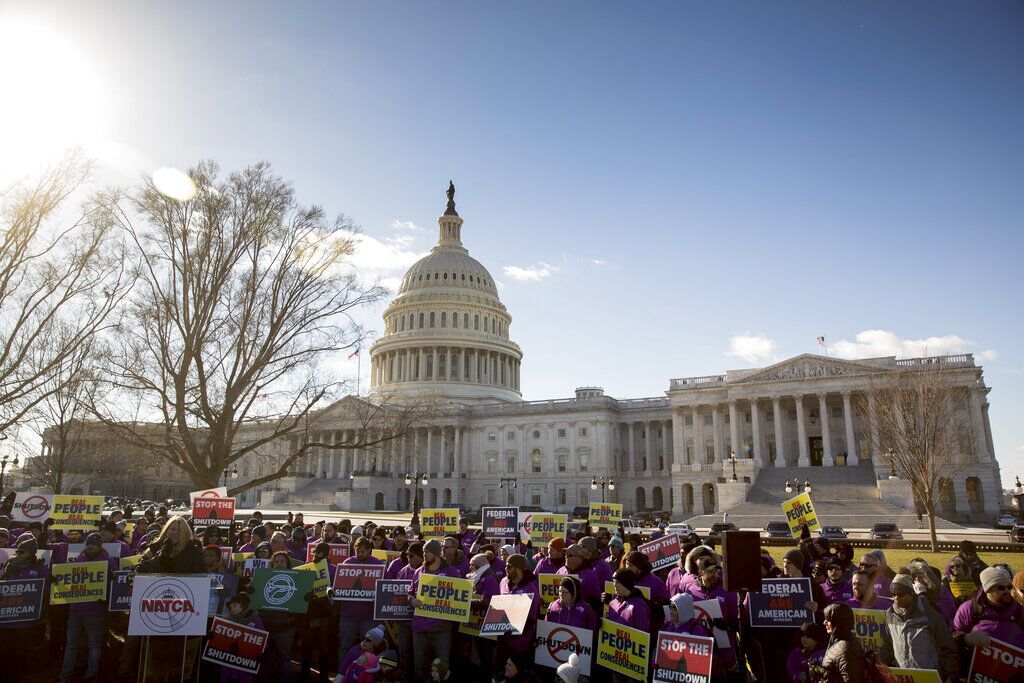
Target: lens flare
<point>174,184</point>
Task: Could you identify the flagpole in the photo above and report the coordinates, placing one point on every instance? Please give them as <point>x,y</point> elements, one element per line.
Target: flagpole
<point>359,370</point>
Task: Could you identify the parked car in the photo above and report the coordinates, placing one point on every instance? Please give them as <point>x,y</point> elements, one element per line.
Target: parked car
<point>1005,521</point>
<point>576,529</point>
<point>473,516</point>
<point>1016,534</point>
<point>580,512</point>
<point>832,532</point>
<point>680,529</point>
<point>886,531</point>
<point>718,527</point>
<point>777,530</point>
<point>531,508</point>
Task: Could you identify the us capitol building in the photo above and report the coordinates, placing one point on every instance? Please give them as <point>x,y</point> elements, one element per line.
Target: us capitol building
<point>447,335</point>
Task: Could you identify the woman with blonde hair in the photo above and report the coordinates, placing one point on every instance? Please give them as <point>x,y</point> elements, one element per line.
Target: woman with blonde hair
<point>174,551</point>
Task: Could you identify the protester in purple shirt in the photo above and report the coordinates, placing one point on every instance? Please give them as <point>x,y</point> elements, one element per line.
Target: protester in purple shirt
<point>813,641</point>
<point>259,535</point>
<point>992,613</point>
<point>88,618</point>
<point>356,617</point>
<point>451,551</point>
<point>864,596</point>
<point>835,588</point>
<point>638,563</point>
<point>708,586</point>
<point>575,564</point>
<point>555,559</point>
<point>466,537</point>
<point>296,545</point>
<point>432,638</point>
<point>593,557</point>
<point>519,580</point>
<point>627,606</point>
<point>569,609</point>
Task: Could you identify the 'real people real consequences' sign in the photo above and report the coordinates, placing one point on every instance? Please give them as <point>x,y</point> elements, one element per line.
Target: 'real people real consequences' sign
<point>439,522</point>
<point>442,597</point>
<point>623,649</point>
<point>65,511</point>
<point>607,515</point>
<point>799,512</point>
<point>78,582</point>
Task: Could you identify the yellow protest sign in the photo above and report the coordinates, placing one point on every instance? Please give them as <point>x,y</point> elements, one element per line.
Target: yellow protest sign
<point>439,522</point>
<point>386,555</point>
<point>442,597</point>
<point>605,515</point>
<point>609,587</point>
<point>800,511</point>
<point>623,649</point>
<point>128,562</point>
<point>238,560</point>
<point>914,675</point>
<point>76,512</point>
<point>322,580</point>
<point>472,627</point>
<point>548,585</point>
<point>129,527</point>
<point>963,589</point>
<point>867,626</point>
<point>78,582</point>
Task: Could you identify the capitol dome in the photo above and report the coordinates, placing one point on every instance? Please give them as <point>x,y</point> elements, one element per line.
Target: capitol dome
<point>447,332</point>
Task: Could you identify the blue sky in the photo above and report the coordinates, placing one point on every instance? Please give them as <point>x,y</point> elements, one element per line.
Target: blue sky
<point>663,189</point>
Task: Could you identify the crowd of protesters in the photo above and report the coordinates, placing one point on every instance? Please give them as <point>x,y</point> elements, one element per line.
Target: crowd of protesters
<point>927,626</point>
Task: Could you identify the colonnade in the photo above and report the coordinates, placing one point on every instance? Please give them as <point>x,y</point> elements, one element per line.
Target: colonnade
<point>446,364</point>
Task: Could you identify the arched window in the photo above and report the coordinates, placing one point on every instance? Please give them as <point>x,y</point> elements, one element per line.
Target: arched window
<point>455,319</point>
<point>403,323</point>
<point>421,321</point>
<point>510,464</point>
<point>463,277</point>
<point>536,460</point>
<point>444,317</point>
<point>465,320</point>
<point>446,276</point>
<point>431,319</point>
<point>476,322</point>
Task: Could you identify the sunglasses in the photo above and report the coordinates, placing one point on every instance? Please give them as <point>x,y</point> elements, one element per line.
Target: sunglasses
<point>1002,587</point>
<point>867,565</point>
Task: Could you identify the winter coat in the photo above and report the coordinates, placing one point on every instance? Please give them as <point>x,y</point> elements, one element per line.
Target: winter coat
<point>579,615</point>
<point>590,583</point>
<point>632,611</point>
<point>528,585</point>
<point>840,592</point>
<point>421,624</point>
<point>843,663</point>
<point>188,561</point>
<point>919,640</point>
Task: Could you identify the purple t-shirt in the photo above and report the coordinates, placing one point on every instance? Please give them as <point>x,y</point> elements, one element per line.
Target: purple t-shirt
<point>632,612</point>
<point>420,623</point>
<point>579,615</point>
<point>1000,623</point>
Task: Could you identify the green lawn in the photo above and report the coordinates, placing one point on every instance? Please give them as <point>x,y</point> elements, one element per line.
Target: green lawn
<point>899,558</point>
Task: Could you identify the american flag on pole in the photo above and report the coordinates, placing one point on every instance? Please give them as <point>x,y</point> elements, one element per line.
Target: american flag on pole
<point>354,353</point>
<point>821,342</point>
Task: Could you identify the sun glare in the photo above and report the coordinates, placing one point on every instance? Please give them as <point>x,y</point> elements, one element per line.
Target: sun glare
<point>174,184</point>
<point>52,98</point>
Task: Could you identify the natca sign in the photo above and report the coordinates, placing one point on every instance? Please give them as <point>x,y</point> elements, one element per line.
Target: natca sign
<point>164,605</point>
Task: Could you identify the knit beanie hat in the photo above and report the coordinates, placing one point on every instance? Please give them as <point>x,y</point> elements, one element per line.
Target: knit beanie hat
<point>992,577</point>
<point>375,635</point>
<point>967,547</point>
<point>388,658</point>
<point>590,543</point>
<point>815,631</point>
<point>29,544</point>
<point>507,548</point>
<point>902,583</point>
<point>433,546</point>
<point>265,545</point>
<point>572,584</point>
<point>260,532</point>
<point>616,542</point>
<point>517,561</point>
<point>795,557</point>
<point>570,671</point>
<point>683,602</point>
<point>626,578</point>
<point>94,539</point>
<point>575,550</point>
<point>241,599</point>
<point>556,544</point>
<point>441,665</point>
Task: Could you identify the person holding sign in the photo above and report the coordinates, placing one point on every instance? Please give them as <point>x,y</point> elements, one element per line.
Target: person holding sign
<point>576,565</point>
<point>431,637</point>
<point>356,617</point>
<point>915,636</point>
<point>519,580</point>
<point>569,608</point>
<point>14,637</point>
<point>992,613</point>
<point>627,607</point>
<point>708,586</point>
<point>485,585</point>
<point>88,618</point>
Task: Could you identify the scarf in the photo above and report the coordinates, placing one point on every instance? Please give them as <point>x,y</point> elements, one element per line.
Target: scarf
<point>15,565</point>
<point>478,573</point>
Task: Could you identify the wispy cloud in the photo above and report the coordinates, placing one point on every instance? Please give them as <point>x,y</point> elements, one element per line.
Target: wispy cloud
<point>598,262</point>
<point>876,343</point>
<point>390,256</point>
<point>753,348</point>
<point>541,271</point>
<point>404,225</point>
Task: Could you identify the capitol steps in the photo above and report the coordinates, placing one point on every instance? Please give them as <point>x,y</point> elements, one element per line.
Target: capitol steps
<point>318,494</point>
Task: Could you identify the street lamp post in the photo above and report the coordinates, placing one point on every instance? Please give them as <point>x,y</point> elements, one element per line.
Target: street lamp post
<point>789,486</point>
<point>234,474</point>
<point>415,481</point>
<point>610,484</point>
<point>807,485</point>
<point>510,483</point>
<point>732,459</point>
<point>3,468</point>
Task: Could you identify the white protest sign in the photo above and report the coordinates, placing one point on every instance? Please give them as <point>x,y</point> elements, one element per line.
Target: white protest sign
<point>169,605</point>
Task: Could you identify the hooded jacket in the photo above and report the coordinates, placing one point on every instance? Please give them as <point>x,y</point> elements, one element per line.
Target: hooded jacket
<point>919,639</point>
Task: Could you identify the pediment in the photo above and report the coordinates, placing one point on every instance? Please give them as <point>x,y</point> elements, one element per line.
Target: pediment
<point>347,407</point>
<point>808,366</point>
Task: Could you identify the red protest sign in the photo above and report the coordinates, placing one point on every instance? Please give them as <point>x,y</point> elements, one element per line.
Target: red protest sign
<point>357,581</point>
<point>212,512</point>
<point>235,646</point>
<point>682,657</point>
<point>662,552</point>
<point>997,661</point>
<point>338,552</point>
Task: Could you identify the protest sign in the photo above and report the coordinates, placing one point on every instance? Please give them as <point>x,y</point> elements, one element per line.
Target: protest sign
<point>252,564</point>
<point>709,610</point>
<point>541,527</point>
<point>31,507</point>
<point>507,614</point>
<point>682,658</point>
<point>337,552</point>
<point>623,649</point>
<point>499,522</point>
<point>439,522</point>
<point>781,603</point>
<point>915,676</point>
<point>120,599</point>
<point>129,562</point>
<point>238,560</point>
<point>219,492</point>
<point>605,515</point>
<point>442,597</point>
<point>169,605</point>
<point>356,582</point>
<point>218,512</point>
<point>281,590</point>
<point>662,552</point>
<point>322,581</point>
<point>867,626</point>
<point>472,627</point>
<point>799,511</point>
<point>963,589</point>
<point>78,582</point>
<point>609,587</point>
<point>76,512</point>
<point>997,661</point>
<point>235,646</point>
<point>385,556</point>
<point>555,642</point>
<point>391,600</point>
<point>129,529</point>
<point>548,586</point>
<point>21,600</point>
<point>75,549</point>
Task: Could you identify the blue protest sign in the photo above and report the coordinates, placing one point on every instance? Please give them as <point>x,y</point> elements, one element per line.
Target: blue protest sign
<point>21,600</point>
<point>780,603</point>
<point>121,591</point>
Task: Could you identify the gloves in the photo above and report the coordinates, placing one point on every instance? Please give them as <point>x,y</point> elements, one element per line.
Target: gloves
<point>606,598</point>
<point>720,623</point>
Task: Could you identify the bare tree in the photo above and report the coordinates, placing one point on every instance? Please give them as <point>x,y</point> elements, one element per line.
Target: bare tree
<point>916,421</point>
<point>59,286</point>
<point>243,294</point>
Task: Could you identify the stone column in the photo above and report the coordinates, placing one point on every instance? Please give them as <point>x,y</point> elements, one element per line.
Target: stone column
<point>978,426</point>
<point>801,432</point>
<point>780,435</point>
<point>876,447</point>
<point>458,452</point>
<point>551,449</point>
<point>826,430</point>
<point>421,367</point>
<point>632,462</point>
<point>648,437</point>
<point>755,421</point>
<point>716,428</point>
<point>851,437</point>
<point>734,430</point>
<point>666,460</point>
<point>699,454</point>
<point>574,465</point>
<point>678,441</point>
